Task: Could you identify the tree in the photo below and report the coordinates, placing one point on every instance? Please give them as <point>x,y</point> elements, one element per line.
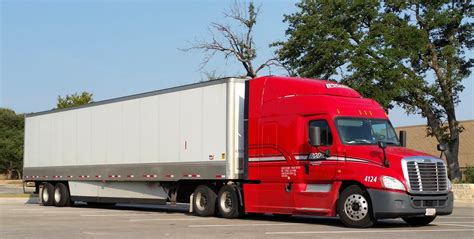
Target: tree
<point>233,44</point>
<point>11,143</point>
<point>74,100</point>
<point>409,53</point>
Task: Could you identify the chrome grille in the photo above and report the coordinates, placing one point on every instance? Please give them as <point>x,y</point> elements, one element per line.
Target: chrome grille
<point>426,175</point>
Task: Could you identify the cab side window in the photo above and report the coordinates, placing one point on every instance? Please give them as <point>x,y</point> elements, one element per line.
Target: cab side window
<point>326,135</point>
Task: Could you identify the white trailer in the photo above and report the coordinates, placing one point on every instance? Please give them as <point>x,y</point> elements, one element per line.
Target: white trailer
<point>139,148</point>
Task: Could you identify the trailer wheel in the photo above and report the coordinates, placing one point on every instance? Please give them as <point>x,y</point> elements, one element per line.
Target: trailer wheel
<point>354,208</point>
<point>47,192</point>
<point>61,195</point>
<point>204,201</point>
<point>228,202</point>
<point>418,221</point>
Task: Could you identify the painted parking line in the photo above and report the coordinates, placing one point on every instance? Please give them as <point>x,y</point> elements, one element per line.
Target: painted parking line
<point>462,224</point>
<point>126,214</point>
<point>170,219</point>
<point>243,225</point>
<point>368,231</point>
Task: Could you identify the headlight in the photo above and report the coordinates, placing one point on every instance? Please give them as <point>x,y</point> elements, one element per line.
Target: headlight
<point>450,186</point>
<point>392,183</point>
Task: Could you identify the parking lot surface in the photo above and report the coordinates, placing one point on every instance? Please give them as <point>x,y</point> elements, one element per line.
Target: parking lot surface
<point>20,219</point>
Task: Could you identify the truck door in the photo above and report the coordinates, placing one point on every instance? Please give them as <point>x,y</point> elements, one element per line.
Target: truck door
<point>313,192</point>
<point>319,162</point>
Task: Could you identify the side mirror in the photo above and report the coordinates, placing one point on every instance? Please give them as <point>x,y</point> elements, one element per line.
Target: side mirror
<point>315,136</point>
<point>382,144</point>
<point>403,138</point>
<point>441,147</point>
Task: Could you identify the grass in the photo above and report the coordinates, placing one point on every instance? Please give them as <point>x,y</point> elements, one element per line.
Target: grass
<point>15,195</point>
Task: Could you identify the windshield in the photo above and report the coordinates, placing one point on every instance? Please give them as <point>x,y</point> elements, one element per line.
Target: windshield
<point>365,131</point>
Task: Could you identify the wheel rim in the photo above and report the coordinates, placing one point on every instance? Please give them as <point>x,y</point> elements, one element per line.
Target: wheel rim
<point>57,195</point>
<point>201,201</point>
<point>356,207</point>
<point>226,202</point>
<point>45,195</point>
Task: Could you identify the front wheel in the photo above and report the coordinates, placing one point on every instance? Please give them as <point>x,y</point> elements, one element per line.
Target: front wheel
<point>354,208</point>
<point>418,221</point>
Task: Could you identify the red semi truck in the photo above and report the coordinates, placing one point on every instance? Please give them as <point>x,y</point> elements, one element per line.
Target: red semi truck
<point>230,147</point>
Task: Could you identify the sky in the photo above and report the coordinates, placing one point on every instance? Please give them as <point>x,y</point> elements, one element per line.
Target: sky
<point>114,48</point>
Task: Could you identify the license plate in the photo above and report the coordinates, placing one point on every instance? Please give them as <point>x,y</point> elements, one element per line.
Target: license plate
<point>430,212</point>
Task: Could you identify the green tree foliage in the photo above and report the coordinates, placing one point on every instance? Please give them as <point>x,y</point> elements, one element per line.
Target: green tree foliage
<point>409,53</point>
<point>74,100</point>
<point>11,143</point>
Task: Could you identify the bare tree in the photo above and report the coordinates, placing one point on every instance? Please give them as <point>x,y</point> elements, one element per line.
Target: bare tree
<point>238,45</point>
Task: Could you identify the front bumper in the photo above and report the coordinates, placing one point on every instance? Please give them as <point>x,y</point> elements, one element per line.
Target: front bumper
<point>388,204</point>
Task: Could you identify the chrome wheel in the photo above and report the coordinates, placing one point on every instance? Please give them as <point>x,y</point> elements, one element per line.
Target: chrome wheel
<point>356,207</point>
<point>45,195</point>
<point>57,195</point>
<point>201,201</point>
<point>225,202</point>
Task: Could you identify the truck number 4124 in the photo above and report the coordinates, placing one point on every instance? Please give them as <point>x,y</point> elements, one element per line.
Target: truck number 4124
<point>370,179</point>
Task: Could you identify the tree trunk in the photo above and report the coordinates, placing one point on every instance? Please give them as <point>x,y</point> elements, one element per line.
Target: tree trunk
<point>454,173</point>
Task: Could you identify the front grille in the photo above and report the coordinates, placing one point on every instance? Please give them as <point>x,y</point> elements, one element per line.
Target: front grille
<point>426,176</point>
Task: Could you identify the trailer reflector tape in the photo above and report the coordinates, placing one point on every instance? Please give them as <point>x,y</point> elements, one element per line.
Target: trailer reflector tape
<point>98,176</point>
<point>57,176</point>
<point>220,176</point>
<point>114,176</point>
<point>84,176</point>
<point>273,158</point>
<point>150,175</point>
<point>45,176</point>
<point>192,175</point>
<point>130,176</point>
<point>26,176</point>
<point>70,176</point>
<point>170,176</point>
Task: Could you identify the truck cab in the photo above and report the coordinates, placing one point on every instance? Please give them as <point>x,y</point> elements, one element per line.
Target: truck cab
<point>320,148</point>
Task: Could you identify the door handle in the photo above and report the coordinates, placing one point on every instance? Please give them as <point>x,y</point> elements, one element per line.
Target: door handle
<point>306,168</point>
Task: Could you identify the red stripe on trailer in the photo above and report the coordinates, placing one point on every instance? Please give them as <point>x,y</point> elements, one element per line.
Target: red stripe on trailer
<point>192,175</point>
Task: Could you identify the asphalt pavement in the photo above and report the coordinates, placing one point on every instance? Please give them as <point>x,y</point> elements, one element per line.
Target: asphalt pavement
<point>23,218</point>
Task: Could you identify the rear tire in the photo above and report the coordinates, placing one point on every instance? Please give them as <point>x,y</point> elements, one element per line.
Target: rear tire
<point>204,201</point>
<point>418,221</point>
<point>228,202</point>
<point>354,208</point>
<point>61,195</point>
<point>47,194</point>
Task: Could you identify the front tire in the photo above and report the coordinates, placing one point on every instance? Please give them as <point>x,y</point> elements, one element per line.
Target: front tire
<point>204,201</point>
<point>61,195</point>
<point>228,202</point>
<point>354,208</point>
<point>418,221</point>
<point>47,192</point>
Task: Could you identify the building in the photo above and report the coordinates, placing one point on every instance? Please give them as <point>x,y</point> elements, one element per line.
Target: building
<point>417,139</point>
